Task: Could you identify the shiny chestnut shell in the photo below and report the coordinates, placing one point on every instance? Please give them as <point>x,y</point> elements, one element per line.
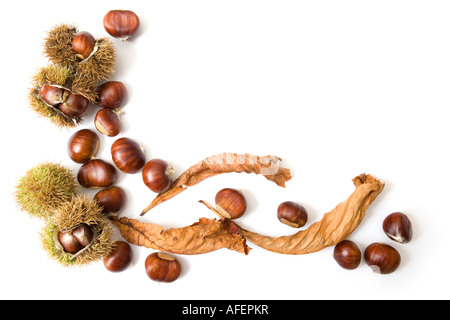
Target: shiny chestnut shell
<point>347,254</point>
<point>83,145</point>
<point>96,173</point>
<point>111,95</point>
<point>76,239</point>
<point>162,267</point>
<point>127,155</point>
<point>230,203</point>
<point>292,214</point>
<point>74,105</point>
<point>52,95</point>
<point>382,258</point>
<point>398,227</point>
<point>111,199</point>
<point>157,175</point>
<point>107,122</point>
<point>121,24</point>
<point>83,44</point>
<point>120,257</point>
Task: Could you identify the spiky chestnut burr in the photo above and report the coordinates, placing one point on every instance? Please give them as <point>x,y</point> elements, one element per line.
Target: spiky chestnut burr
<point>78,213</point>
<point>44,188</point>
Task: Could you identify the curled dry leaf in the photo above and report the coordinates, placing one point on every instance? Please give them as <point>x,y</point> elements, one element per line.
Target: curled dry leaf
<point>204,236</point>
<point>268,166</point>
<point>335,226</point>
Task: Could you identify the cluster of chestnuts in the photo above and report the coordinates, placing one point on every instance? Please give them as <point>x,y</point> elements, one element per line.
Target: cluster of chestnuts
<point>380,257</point>
<point>127,155</point>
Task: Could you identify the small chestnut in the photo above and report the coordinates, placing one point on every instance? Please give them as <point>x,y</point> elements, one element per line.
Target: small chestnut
<point>83,145</point>
<point>347,254</point>
<point>111,199</point>
<point>74,105</point>
<point>292,214</point>
<point>162,267</point>
<point>83,234</point>
<point>97,173</point>
<point>69,243</point>
<point>111,95</point>
<point>107,122</point>
<point>157,175</point>
<point>382,258</point>
<point>76,239</point>
<point>120,257</point>
<point>127,155</point>
<point>52,95</point>
<point>121,24</point>
<point>398,227</point>
<point>83,44</point>
<point>230,203</point>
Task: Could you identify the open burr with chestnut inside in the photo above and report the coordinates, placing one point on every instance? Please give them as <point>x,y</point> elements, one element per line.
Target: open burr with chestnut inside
<point>91,60</point>
<point>53,96</point>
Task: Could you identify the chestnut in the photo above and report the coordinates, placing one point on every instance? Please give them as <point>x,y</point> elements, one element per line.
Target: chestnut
<point>121,24</point>
<point>52,95</point>
<point>111,199</point>
<point>76,239</point>
<point>83,145</point>
<point>127,155</point>
<point>120,257</point>
<point>69,243</point>
<point>347,254</point>
<point>230,203</point>
<point>107,122</point>
<point>97,173</point>
<point>111,95</point>
<point>292,214</point>
<point>398,227</point>
<point>382,258</point>
<point>83,234</point>
<point>157,175</point>
<point>162,267</point>
<point>74,105</point>
<point>83,44</point>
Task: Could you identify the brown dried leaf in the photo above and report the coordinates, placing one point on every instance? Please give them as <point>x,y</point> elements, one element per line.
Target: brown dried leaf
<point>203,236</point>
<point>335,226</point>
<point>268,166</point>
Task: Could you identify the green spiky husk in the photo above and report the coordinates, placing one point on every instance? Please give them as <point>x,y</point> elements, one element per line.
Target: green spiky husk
<point>44,188</point>
<point>51,75</point>
<point>88,72</point>
<point>71,214</point>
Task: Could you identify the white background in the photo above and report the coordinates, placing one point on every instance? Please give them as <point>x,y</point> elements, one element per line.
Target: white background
<point>335,88</point>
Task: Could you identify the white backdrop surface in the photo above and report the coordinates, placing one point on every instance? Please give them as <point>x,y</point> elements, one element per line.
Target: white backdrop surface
<point>335,88</point>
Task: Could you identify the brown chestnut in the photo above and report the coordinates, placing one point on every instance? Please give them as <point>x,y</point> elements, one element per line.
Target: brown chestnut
<point>292,214</point>
<point>74,105</point>
<point>398,227</point>
<point>382,258</point>
<point>157,175</point>
<point>121,24</point>
<point>97,173</point>
<point>83,44</point>
<point>230,203</point>
<point>111,199</point>
<point>120,257</point>
<point>83,145</point>
<point>162,267</point>
<point>127,155</point>
<point>76,239</point>
<point>107,122</point>
<point>111,95</point>
<point>52,95</point>
<point>83,234</point>
<point>69,243</point>
<point>347,254</point>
